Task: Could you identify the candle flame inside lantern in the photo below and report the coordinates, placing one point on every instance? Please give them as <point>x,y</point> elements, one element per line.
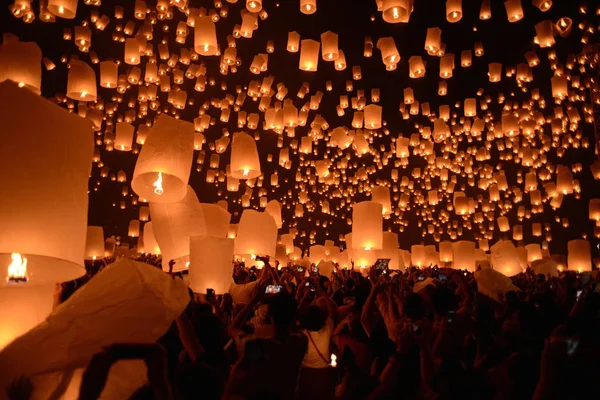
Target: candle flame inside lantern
<point>333,360</point>
<point>61,9</point>
<point>158,189</point>
<point>17,270</point>
<point>246,171</point>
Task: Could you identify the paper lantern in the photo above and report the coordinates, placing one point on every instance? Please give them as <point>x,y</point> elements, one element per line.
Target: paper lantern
<point>173,224</point>
<point>329,51</point>
<point>81,83</point>
<point>390,250</point>
<point>21,62</point>
<point>389,52</point>
<point>23,308</point>
<point>494,284</point>
<point>395,11</point>
<point>594,209</point>
<point>485,12</point>
<point>150,243</point>
<point>109,72</point>
<point>124,136</point>
<point>579,255</point>
<point>63,8</point>
<point>254,5</point>
<point>503,224</point>
<point>216,220</point>
<point>309,55</point>
<point>372,115</point>
<point>463,255</point>
<point>545,33</point>
<point>514,11</point>
<point>211,264</point>
<point>453,10</point>
<point>381,195</point>
<point>317,254</point>
<point>245,163</point>
<point>94,243</point>
<point>132,51</point>
<point>308,7</point>
<point>446,252</point>
<point>433,40</point>
<point>293,44</point>
<point>163,166</point>
<point>257,234</point>
<point>134,228</point>
<point>50,233</point>
<point>273,208</point>
<point>416,67</point>
<point>534,252</point>
<point>505,258</point>
<point>417,255</point>
<point>559,87</point>
<point>367,225</point>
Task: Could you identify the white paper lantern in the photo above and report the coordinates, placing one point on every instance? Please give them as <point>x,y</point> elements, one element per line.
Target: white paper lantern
<point>505,258</point>
<point>381,195</point>
<point>257,234</point>
<point>174,224</point>
<point>579,255</point>
<point>390,250</point>
<point>446,252</point>
<point>245,163</point>
<point>463,255</point>
<point>63,8</point>
<point>124,136</point>
<point>216,219</point>
<point>81,83</point>
<point>367,225</point>
<point>205,37</point>
<point>211,264</point>
<point>163,166</point>
<point>94,243</point>
<point>150,244</point>
<point>417,255</point>
<point>317,254</point>
<point>274,209</point>
<point>45,222</point>
<point>21,62</point>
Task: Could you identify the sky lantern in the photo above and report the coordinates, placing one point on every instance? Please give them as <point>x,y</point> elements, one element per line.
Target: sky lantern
<point>21,63</point>
<point>63,169</point>
<point>463,255</point>
<point>245,163</point>
<point>485,12</point>
<point>514,11</point>
<point>173,224</point>
<point>579,255</point>
<point>109,72</point>
<point>417,255</point>
<point>534,252</point>
<point>389,52</point>
<point>433,41</point>
<point>254,5</point>
<point>210,264</point>
<point>132,51</point>
<point>63,8</point>
<point>372,115</point>
<point>257,234</point>
<point>545,33</point>
<point>134,228</point>
<point>381,195</point>
<point>505,258</point>
<point>329,51</point>
<point>309,55</point>
<point>81,84</point>
<point>308,7</point>
<point>367,224</point>
<point>94,243</point>
<point>293,43</point>
<point>273,208</point>
<point>317,254</point>
<point>395,11</point>
<point>453,10</point>
<point>163,166</point>
<point>416,67</point>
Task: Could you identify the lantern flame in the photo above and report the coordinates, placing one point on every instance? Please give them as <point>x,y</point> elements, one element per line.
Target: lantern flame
<point>246,171</point>
<point>17,270</point>
<point>158,189</point>
<point>333,360</point>
<point>61,9</point>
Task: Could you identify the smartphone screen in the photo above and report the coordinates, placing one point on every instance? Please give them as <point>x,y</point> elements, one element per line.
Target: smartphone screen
<point>451,315</point>
<point>382,263</point>
<point>572,345</point>
<point>273,289</point>
<point>421,278</point>
<point>416,329</point>
<point>442,277</point>
<point>579,292</point>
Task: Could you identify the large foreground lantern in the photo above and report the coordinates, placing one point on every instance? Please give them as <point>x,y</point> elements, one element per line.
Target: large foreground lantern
<point>367,225</point>
<point>21,62</point>
<point>164,164</point>
<point>390,250</point>
<point>245,163</point>
<point>505,258</point>
<point>51,233</point>
<point>579,255</point>
<point>257,234</point>
<point>174,224</point>
<point>274,209</point>
<point>210,264</point>
<point>150,244</point>
<point>463,254</point>
<point>205,37</point>
<point>216,219</point>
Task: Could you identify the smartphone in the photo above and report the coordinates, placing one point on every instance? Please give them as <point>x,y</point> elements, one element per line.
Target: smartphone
<point>299,269</point>
<point>572,345</point>
<point>451,315</point>
<point>442,277</point>
<point>416,329</point>
<point>579,292</point>
<point>382,264</point>
<point>273,289</point>
<point>210,294</point>
<point>421,278</point>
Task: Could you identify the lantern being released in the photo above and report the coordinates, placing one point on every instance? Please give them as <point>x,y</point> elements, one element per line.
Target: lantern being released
<point>367,226</point>
<point>257,234</point>
<point>21,62</point>
<point>210,264</point>
<point>164,164</point>
<point>51,233</point>
<point>94,243</point>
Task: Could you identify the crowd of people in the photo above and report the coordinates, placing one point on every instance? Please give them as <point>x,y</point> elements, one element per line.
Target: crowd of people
<point>427,333</point>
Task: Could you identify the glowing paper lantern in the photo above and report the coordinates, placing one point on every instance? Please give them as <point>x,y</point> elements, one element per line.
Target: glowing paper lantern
<point>245,163</point>
<point>274,209</point>
<point>150,244</point>
<point>545,34</point>
<point>503,224</point>
<point>463,255</point>
<point>453,10</point>
<point>417,255</point>
<point>205,36</point>
<point>21,62</point>
<point>594,209</point>
<point>216,219</point>
<point>317,254</point>
<point>514,11</point>
<point>163,166</point>
<point>173,225</point>
<point>372,115</point>
<point>534,252</point>
<point>390,250</point>
<point>308,7</point>
<point>309,55</point>
<point>257,234</point>
<point>293,44</point>
<point>81,83</point>
<point>367,224</point>
<point>124,136</point>
<point>94,243</point>
<point>109,72</point>
<point>63,8</point>
<point>134,228</point>
<point>446,252</point>
<point>381,195</point>
<point>210,264</point>
<point>505,258</point>
<point>330,51</point>
<point>51,233</point>
<point>395,11</point>
<point>579,256</point>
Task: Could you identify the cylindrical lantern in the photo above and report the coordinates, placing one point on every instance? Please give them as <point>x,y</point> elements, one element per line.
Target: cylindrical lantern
<point>372,116</point>
<point>505,258</point>
<point>50,233</point>
<point>317,254</point>
<point>503,224</point>
<point>163,166</point>
<point>134,228</point>
<point>330,51</point>
<point>579,256</point>
<point>211,264</point>
<point>205,36</point>
<point>257,234</point>
<point>453,10</point>
<point>216,220</point>
<point>94,243</point>
<point>309,55</point>
<point>463,255</point>
<point>150,244</point>
<point>21,62</point>
<point>308,7</point>
<point>63,8</point>
<point>245,163</point>
<point>367,226</point>
<point>514,11</point>
<point>173,224</point>
<point>109,73</point>
<point>274,209</point>
<point>417,255</point>
<point>534,252</point>
<point>381,195</point>
<point>395,11</point>
<point>446,251</point>
<point>81,83</point>
<point>124,136</point>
